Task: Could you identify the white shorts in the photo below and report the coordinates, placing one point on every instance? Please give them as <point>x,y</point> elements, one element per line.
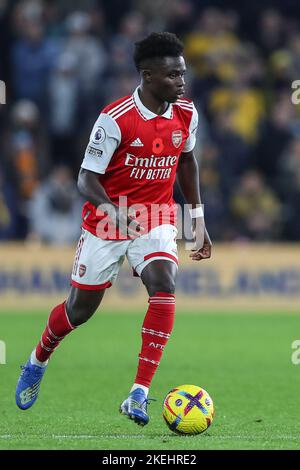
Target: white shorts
<point>97,262</point>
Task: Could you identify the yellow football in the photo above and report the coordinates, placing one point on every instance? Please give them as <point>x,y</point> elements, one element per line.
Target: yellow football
<point>188,409</point>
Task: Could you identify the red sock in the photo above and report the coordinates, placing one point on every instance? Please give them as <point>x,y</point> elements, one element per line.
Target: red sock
<point>57,328</point>
<point>156,330</point>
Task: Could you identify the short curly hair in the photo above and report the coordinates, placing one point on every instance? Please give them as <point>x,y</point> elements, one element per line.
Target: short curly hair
<point>157,45</point>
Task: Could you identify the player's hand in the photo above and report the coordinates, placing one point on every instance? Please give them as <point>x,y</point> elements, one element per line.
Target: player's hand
<point>203,244</point>
<point>127,224</point>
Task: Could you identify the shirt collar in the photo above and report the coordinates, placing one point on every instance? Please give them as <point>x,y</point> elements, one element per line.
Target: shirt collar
<point>146,113</point>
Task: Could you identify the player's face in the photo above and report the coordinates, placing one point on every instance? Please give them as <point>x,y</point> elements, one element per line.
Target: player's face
<point>167,79</point>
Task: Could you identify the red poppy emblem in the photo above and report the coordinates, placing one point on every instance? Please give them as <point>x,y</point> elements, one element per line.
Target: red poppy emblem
<point>157,146</point>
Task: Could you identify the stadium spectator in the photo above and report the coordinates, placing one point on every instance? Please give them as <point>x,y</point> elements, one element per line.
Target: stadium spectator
<point>256,209</point>
<point>180,17</point>
<point>289,170</point>
<point>233,154</point>
<point>64,100</point>
<point>88,52</point>
<point>274,135</point>
<point>271,33</point>
<point>33,56</point>
<point>24,155</point>
<point>54,204</point>
<point>212,195</point>
<point>26,147</point>
<point>131,29</point>
<point>240,96</point>
<point>8,209</point>
<point>210,47</point>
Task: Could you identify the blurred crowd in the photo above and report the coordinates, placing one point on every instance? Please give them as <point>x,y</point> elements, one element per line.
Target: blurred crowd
<point>63,61</point>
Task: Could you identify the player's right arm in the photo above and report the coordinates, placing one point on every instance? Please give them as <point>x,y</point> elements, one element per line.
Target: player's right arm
<point>104,140</point>
<point>90,188</point>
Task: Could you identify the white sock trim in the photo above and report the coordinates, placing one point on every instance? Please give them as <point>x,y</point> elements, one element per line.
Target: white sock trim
<point>135,386</point>
<point>36,362</point>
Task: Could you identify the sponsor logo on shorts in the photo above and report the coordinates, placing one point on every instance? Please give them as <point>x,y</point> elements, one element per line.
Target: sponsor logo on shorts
<point>82,270</point>
<point>93,152</point>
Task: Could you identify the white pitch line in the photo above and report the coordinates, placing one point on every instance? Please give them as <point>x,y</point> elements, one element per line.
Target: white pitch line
<point>100,436</point>
<point>140,436</point>
<point>73,436</point>
<point>256,438</point>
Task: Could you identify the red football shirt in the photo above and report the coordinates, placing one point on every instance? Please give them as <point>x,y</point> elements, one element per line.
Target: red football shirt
<point>136,154</point>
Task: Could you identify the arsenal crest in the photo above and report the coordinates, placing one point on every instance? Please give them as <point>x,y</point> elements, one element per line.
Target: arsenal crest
<point>177,138</point>
<point>82,270</point>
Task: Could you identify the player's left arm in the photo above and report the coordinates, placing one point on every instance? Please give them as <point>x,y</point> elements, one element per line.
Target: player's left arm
<point>188,180</point>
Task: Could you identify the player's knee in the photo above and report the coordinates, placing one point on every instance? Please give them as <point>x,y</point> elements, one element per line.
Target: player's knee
<point>160,276</point>
<point>79,314</point>
<point>167,286</point>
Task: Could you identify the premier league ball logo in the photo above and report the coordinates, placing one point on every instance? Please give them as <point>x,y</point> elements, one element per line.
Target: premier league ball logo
<point>99,136</point>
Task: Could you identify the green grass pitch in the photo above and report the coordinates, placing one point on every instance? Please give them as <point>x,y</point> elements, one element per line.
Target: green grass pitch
<point>242,360</point>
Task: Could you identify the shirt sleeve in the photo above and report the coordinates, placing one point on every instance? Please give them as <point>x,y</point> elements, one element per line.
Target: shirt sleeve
<point>191,140</point>
<point>104,140</point>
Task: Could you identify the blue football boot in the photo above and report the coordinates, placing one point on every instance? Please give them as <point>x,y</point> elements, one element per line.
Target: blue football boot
<point>135,407</point>
<point>28,385</point>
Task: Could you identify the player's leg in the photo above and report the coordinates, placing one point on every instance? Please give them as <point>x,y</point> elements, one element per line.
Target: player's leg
<point>82,304</point>
<point>63,319</point>
<point>158,270</point>
<point>95,268</point>
<point>159,278</point>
